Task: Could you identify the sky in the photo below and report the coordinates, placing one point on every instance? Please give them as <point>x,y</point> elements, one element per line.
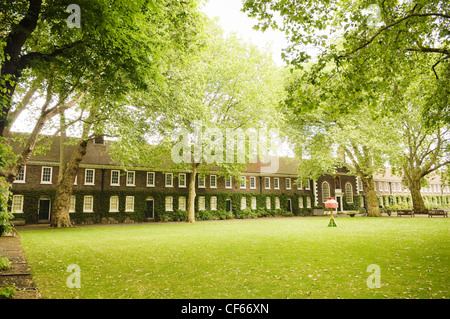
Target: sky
<point>232,19</point>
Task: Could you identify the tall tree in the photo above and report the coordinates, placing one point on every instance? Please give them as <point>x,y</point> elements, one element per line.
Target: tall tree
<point>227,86</point>
<point>126,37</point>
<point>118,48</point>
<point>426,148</point>
<point>321,136</point>
<point>368,42</point>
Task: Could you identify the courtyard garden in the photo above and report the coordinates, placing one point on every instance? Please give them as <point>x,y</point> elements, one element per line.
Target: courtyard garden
<point>297,257</point>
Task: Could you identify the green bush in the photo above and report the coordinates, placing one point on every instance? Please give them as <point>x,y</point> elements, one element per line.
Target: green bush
<point>262,212</point>
<point>204,215</point>
<point>8,291</point>
<point>223,214</point>
<point>4,263</point>
<point>179,215</point>
<point>282,212</point>
<point>246,213</point>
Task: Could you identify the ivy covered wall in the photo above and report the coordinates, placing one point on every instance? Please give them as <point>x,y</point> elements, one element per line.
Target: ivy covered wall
<point>101,205</point>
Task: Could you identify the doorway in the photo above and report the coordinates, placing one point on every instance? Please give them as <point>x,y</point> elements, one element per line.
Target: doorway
<point>228,205</point>
<point>339,200</point>
<point>149,207</point>
<point>44,209</point>
<point>289,205</point>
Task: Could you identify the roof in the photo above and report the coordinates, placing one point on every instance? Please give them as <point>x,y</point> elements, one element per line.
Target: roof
<point>98,155</point>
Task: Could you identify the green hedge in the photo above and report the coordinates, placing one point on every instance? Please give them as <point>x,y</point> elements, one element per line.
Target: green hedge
<point>405,201</point>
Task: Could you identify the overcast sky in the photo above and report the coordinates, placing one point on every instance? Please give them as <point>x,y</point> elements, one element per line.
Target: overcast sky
<point>232,19</point>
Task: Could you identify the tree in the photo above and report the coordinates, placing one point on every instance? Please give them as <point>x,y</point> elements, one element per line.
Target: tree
<point>426,148</point>
<point>325,139</point>
<point>368,42</point>
<point>127,38</point>
<point>229,86</point>
<point>117,49</point>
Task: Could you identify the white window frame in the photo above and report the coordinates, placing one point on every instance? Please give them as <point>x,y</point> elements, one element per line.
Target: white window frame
<point>114,204</point>
<point>349,199</point>
<point>146,182</point>
<point>171,181</point>
<point>213,202</point>
<point>243,183</point>
<point>252,179</point>
<point>21,181</point>
<point>182,178</point>
<point>228,179</point>
<point>42,175</point>
<point>288,183</point>
<point>253,203</point>
<point>300,202</point>
<point>386,187</point>
<point>299,184</point>
<point>267,185</point>
<point>243,202</point>
<point>168,201</point>
<point>72,204</point>
<point>325,198</point>
<point>93,176</point>
<point>308,202</point>
<point>268,203</point>
<point>17,201</point>
<point>118,177</point>
<point>394,187</point>
<point>182,203</point>
<point>211,179</point>
<point>129,204</point>
<point>276,183</point>
<point>277,203</point>
<point>85,201</point>
<point>308,184</point>
<point>203,181</point>
<point>76,180</point>
<point>201,203</point>
<point>134,178</point>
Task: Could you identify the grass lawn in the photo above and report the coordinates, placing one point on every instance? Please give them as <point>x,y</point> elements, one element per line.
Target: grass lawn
<point>261,258</point>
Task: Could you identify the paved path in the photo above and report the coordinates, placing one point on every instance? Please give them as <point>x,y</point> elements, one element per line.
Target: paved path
<point>19,272</point>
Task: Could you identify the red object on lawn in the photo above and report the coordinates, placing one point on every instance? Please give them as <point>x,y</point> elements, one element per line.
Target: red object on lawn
<point>331,203</point>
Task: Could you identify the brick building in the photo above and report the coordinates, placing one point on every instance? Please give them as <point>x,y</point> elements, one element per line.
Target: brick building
<point>105,192</point>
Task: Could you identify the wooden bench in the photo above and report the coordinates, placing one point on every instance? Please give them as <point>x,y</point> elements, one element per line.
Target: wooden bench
<point>401,212</point>
<point>437,212</point>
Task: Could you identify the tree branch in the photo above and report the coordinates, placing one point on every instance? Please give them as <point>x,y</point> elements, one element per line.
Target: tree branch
<point>445,16</point>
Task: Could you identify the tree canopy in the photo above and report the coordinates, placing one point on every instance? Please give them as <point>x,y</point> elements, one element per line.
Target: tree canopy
<point>368,42</point>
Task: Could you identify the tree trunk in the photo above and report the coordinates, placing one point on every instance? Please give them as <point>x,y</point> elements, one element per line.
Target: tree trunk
<point>60,214</point>
<point>62,147</point>
<point>12,65</point>
<point>192,193</point>
<point>373,208</point>
<point>417,200</point>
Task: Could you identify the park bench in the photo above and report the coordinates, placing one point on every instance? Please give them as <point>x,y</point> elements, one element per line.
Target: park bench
<point>401,212</point>
<point>437,212</point>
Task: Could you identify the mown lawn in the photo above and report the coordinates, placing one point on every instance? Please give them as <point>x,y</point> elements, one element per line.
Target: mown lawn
<point>262,258</point>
